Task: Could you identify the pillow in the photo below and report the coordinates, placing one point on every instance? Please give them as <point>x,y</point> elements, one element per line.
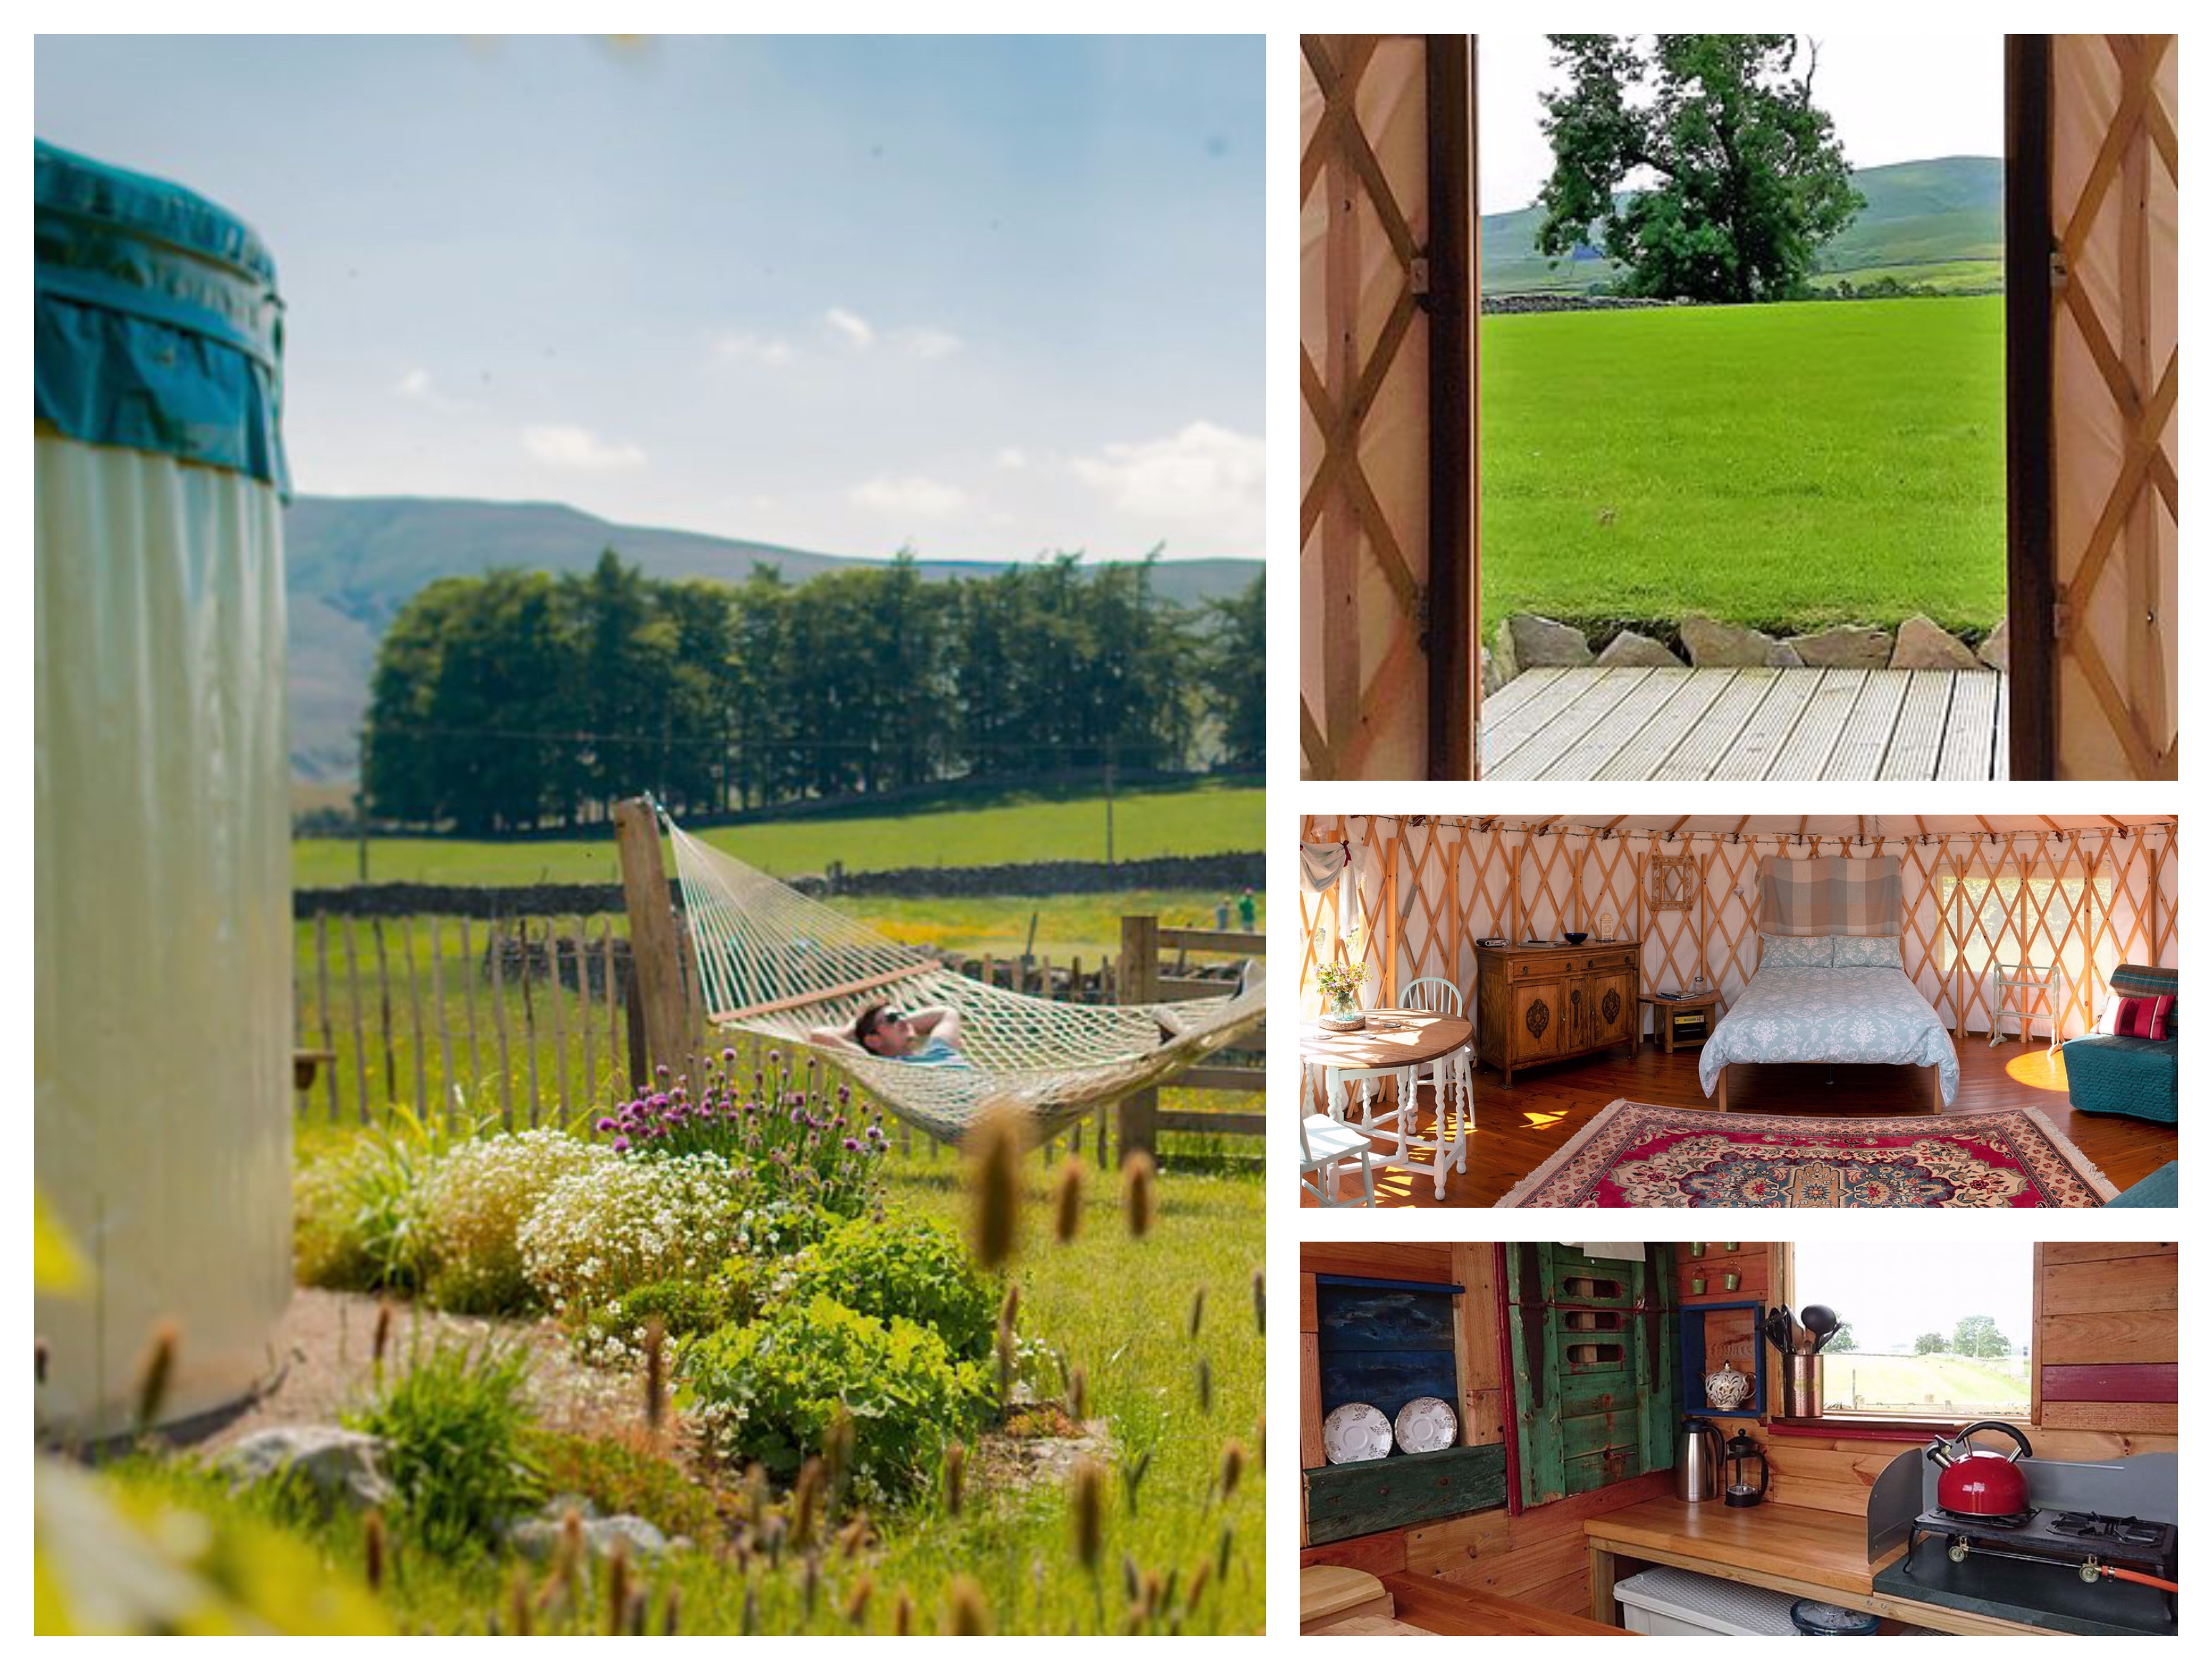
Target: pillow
<point>1859,951</point>
<point>1787,951</point>
<point>2135,1017</point>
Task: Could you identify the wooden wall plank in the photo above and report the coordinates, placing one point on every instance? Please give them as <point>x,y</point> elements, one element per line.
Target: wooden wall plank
<point>2114,1382</point>
<point>1403,1261</point>
<point>2111,1417</point>
<point>2093,1252</point>
<point>2130,1283</point>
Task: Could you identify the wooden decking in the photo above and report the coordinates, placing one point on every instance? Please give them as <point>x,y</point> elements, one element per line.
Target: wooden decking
<point>1648,724</point>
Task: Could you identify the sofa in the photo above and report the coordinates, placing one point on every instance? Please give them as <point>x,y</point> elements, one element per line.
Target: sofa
<point>2161,1188</point>
<point>2137,1076</point>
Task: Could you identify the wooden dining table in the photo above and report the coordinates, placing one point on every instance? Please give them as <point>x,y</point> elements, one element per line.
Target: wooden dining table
<point>1394,1040</point>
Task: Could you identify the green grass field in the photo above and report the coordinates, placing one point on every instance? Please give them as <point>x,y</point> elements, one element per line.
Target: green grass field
<point>1980,273</point>
<point>1209,817</point>
<point>1787,465</point>
<point>1869,1381</point>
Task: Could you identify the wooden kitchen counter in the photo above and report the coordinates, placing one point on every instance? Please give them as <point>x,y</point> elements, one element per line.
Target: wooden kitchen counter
<point>1430,1603</point>
<point>1792,1551</point>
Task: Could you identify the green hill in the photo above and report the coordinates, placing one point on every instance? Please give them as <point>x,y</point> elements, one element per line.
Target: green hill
<point>349,563</point>
<point>1947,212</point>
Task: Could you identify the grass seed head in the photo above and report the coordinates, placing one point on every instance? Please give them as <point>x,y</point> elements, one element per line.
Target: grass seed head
<point>1232,1468</point>
<point>671,1612</point>
<point>854,1537</point>
<point>1132,1579</point>
<point>902,1613</point>
<point>749,1614</point>
<point>838,1451</point>
<point>618,1590</point>
<point>380,1342</point>
<point>1090,1487</point>
<point>1221,1559</point>
<point>155,1374</point>
<point>856,1599</point>
<point>1197,1588</point>
<point>1068,1201</point>
<point>1205,1385</point>
<point>1260,1300</point>
<point>969,1612</point>
<point>993,1188</point>
<point>521,1614</point>
<point>1133,1475</point>
<point>1137,1175</point>
<point>1078,1397</point>
<point>809,1585</point>
<point>807,1501</point>
<point>956,1476</point>
<point>1197,1310</point>
<point>1009,1308</point>
<point>372,1549</point>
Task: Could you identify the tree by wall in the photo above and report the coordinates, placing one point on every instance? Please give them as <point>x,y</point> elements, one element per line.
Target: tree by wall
<point>1700,161</point>
<point>1844,1340</point>
<point>1929,1344</point>
<point>1979,1336</point>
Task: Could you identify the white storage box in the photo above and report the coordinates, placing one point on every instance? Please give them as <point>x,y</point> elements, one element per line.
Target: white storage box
<point>1665,1601</point>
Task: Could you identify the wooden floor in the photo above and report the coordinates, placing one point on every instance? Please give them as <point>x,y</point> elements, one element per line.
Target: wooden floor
<point>1650,724</point>
<point>1516,1130</point>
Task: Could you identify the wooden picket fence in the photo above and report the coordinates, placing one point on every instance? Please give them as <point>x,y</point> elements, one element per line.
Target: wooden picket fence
<point>519,1021</point>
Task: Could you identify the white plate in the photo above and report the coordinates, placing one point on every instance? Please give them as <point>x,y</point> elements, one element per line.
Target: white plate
<point>1427,1424</point>
<point>1355,1432</point>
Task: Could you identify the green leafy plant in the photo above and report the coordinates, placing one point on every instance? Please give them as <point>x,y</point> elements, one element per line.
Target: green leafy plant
<point>903,1266</point>
<point>769,1391</point>
<point>456,1427</point>
<point>358,1219</point>
<point>615,1332</point>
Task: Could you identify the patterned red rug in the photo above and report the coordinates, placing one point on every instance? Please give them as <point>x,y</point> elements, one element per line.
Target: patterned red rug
<point>1634,1154</point>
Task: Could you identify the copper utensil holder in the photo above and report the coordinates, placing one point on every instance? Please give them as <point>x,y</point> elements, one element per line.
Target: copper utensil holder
<point>1800,1386</point>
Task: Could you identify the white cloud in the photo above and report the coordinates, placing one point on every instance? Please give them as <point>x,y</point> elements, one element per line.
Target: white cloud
<point>1204,478</point>
<point>746,348</point>
<point>909,495</point>
<point>572,446</point>
<point>415,386</point>
<point>850,329</point>
<point>926,342</point>
<point>1012,458</point>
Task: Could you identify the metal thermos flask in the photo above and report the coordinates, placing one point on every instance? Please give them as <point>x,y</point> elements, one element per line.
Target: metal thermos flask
<point>1698,1461</point>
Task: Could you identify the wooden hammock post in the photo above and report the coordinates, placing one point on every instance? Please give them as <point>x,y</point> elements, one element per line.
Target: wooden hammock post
<point>1138,1116</point>
<point>656,954</point>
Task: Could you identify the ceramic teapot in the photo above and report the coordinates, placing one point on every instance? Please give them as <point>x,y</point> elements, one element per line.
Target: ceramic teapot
<point>1726,1388</point>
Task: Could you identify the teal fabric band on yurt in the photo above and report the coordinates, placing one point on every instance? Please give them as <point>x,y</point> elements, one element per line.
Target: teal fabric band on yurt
<point>159,327</point>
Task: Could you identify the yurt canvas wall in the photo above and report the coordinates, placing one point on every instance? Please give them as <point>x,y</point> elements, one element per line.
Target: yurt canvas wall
<point>163,913</point>
<point>1387,431</point>
<point>2084,900</point>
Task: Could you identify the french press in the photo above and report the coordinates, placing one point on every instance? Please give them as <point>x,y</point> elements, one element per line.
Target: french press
<point>1743,1450</point>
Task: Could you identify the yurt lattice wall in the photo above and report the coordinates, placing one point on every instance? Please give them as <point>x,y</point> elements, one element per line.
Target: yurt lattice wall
<point>2084,900</point>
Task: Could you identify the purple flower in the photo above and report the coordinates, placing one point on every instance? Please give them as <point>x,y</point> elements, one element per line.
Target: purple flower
<point>660,1070</point>
<point>603,1125</point>
<point>851,1146</point>
<point>729,1055</point>
<point>622,1144</point>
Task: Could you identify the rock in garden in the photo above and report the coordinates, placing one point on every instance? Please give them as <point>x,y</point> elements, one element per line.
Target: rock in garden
<point>1924,646</point>
<point>538,1538</point>
<point>1997,648</point>
<point>1843,646</point>
<point>1714,643</point>
<point>340,1467</point>
<point>1537,642</point>
<point>1493,673</point>
<point>1633,649</point>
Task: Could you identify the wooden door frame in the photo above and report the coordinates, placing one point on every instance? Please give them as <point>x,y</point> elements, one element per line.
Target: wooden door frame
<point>1453,303</point>
<point>2031,540</point>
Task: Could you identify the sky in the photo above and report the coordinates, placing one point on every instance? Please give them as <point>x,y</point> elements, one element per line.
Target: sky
<point>1891,1294</point>
<point>1895,98</point>
<point>987,297</point>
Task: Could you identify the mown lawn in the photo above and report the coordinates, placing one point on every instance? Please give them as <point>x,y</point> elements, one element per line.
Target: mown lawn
<point>1786,465</point>
<point>1210,818</point>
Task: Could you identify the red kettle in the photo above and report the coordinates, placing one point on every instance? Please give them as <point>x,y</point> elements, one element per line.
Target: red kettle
<point>1980,1483</point>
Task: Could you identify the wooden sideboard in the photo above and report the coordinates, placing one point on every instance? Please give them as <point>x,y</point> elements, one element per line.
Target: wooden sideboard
<point>1543,1003</point>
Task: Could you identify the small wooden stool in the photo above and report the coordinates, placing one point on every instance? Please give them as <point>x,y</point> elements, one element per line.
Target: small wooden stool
<point>1664,1010</point>
<point>1331,1594</point>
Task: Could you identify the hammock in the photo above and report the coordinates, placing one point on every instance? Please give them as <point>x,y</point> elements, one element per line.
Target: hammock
<point>775,962</point>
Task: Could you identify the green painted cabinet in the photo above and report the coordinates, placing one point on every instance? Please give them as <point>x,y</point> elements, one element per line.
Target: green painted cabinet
<point>1595,1394</point>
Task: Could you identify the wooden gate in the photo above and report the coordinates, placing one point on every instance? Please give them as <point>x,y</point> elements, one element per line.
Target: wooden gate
<point>1387,662</point>
<point>2092,275</point>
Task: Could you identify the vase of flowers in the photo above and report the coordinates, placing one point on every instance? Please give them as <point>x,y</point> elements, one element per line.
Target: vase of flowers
<point>1340,982</point>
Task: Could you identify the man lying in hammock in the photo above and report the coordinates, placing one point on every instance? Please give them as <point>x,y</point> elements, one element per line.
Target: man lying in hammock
<point>924,1037</point>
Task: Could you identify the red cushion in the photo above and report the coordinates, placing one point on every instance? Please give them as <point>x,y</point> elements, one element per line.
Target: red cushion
<point>2135,1017</point>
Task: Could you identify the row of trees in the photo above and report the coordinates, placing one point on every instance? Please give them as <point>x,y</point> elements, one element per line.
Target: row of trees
<point>512,700</point>
<point>1975,1336</point>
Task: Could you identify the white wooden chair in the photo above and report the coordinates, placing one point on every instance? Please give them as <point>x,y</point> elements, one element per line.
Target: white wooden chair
<point>1324,1144</point>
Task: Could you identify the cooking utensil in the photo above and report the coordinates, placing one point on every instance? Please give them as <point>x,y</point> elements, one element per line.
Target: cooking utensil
<point>1980,1483</point>
<point>1820,1323</point>
<point>1777,1329</point>
<point>1743,1450</point>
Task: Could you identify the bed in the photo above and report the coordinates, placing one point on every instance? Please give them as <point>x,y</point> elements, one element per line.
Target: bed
<point>1830,985</point>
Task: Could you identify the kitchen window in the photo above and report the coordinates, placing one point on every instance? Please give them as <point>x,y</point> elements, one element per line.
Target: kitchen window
<point>1935,1330</point>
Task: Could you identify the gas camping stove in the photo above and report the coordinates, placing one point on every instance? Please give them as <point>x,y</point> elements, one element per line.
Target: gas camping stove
<point>2095,1544</point>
